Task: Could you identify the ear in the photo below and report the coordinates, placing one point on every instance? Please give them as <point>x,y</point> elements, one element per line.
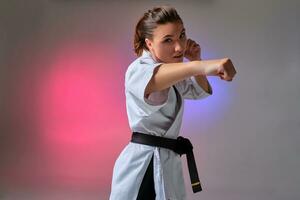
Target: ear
<point>148,43</point>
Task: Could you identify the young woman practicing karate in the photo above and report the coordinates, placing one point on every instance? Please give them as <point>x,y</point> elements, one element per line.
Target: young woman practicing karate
<point>156,84</point>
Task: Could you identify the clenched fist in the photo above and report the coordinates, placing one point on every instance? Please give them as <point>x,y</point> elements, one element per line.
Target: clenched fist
<point>220,67</point>
<point>192,50</point>
<point>226,70</point>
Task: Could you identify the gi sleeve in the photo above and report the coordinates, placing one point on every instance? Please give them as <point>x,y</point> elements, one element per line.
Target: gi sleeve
<point>190,89</point>
<point>136,83</point>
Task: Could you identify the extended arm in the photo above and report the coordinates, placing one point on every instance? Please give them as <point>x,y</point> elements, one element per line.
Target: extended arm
<point>168,74</point>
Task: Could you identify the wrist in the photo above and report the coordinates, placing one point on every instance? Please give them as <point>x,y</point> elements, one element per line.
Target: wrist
<point>198,67</point>
<point>209,67</point>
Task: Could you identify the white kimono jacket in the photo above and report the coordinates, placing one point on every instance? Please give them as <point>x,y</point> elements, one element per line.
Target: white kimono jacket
<point>161,115</point>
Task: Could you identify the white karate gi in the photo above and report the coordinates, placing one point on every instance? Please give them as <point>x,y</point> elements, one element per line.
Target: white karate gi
<point>161,115</point>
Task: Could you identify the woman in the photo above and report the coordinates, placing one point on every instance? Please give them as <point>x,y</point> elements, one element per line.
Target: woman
<point>156,83</point>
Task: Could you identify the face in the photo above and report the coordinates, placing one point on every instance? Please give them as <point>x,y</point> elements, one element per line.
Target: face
<point>168,43</point>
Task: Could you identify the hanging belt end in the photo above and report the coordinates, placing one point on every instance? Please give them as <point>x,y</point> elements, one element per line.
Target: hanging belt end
<point>196,187</point>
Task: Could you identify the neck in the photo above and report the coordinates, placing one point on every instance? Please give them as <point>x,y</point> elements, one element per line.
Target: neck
<point>154,56</point>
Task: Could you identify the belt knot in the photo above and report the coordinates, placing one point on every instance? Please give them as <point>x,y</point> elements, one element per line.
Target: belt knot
<point>183,146</point>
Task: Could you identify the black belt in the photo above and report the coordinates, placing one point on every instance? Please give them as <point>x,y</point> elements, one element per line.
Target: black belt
<point>180,145</point>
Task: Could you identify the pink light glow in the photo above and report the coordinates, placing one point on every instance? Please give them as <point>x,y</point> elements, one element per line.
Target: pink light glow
<point>81,112</point>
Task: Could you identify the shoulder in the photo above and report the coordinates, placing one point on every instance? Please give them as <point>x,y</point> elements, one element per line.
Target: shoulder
<point>141,65</point>
<point>133,68</point>
<point>141,61</point>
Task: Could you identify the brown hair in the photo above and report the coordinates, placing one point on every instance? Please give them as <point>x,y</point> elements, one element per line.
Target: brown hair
<point>149,21</point>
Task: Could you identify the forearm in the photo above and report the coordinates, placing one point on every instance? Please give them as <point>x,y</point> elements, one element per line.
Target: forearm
<point>203,83</point>
<point>168,74</point>
<point>202,80</point>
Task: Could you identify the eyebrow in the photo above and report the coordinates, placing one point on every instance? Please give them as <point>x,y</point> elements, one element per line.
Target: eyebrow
<point>172,35</point>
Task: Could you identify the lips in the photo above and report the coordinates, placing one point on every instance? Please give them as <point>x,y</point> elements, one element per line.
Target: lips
<point>178,56</point>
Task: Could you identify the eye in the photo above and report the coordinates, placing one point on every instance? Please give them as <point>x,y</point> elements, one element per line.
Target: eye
<point>182,35</point>
<point>168,40</point>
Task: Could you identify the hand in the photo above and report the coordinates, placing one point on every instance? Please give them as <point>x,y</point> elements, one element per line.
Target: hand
<point>218,67</point>
<point>192,50</point>
<point>226,70</point>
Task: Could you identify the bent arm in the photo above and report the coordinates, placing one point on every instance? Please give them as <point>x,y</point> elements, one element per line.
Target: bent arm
<point>203,82</point>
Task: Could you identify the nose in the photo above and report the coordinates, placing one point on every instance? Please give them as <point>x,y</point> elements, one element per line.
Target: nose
<point>178,47</point>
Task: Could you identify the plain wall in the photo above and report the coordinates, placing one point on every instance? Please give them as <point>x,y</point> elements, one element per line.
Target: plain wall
<point>246,136</point>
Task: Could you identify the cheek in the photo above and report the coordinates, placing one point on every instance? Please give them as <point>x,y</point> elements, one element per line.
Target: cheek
<point>163,50</point>
<point>184,43</point>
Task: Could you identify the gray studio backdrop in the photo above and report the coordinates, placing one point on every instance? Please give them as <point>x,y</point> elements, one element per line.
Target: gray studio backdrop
<point>255,154</point>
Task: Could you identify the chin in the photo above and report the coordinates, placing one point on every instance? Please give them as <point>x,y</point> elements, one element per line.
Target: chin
<point>173,60</point>
<point>177,60</point>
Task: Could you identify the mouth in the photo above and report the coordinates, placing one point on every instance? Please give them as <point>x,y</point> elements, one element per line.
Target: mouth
<point>179,56</point>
